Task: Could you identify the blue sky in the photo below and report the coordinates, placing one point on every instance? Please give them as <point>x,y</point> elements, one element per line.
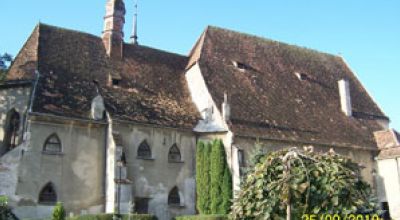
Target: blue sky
<point>365,32</point>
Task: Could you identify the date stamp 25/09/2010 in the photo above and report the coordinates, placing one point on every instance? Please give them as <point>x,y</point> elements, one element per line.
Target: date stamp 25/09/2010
<point>340,217</point>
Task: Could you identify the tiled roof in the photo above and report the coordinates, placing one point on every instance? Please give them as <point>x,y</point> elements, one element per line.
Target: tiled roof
<point>390,153</point>
<point>152,86</point>
<point>268,100</point>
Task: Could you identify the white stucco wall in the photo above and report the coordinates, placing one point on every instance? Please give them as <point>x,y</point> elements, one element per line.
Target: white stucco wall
<point>201,97</point>
<point>388,170</point>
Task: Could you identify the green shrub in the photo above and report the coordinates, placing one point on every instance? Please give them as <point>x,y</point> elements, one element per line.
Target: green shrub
<point>139,217</point>
<point>203,217</point>
<point>110,217</point>
<point>5,211</point>
<point>58,212</point>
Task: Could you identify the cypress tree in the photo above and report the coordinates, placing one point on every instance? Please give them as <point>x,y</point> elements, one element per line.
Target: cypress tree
<point>226,191</point>
<point>206,178</point>
<point>213,178</point>
<point>199,176</point>
<point>217,172</point>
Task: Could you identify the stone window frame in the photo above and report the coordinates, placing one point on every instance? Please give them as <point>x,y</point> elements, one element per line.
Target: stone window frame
<point>144,147</point>
<point>175,198</point>
<point>45,151</point>
<point>48,198</point>
<point>174,150</point>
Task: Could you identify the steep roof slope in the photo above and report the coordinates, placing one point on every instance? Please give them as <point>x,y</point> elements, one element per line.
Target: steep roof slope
<point>152,85</point>
<point>268,99</point>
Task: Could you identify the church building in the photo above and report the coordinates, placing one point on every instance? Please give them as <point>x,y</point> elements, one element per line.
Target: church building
<point>83,117</point>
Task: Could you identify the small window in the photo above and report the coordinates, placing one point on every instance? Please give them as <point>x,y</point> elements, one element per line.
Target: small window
<point>174,154</point>
<point>52,144</point>
<point>48,195</point>
<point>301,76</point>
<point>241,66</point>
<point>142,205</point>
<point>144,150</point>
<point>241,158</point>
<point>115,82</point>
<point>173,197</point>
<point>242,165</point>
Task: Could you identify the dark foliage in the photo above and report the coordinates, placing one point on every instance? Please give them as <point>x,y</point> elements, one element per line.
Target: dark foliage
<point>203,217</point>
<point>315,183</point>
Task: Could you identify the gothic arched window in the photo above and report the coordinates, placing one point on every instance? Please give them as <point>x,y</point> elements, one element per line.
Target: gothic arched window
<point>173,197</point>
<point>144,150</point>
<point>48,194</point>
<point>13,124</point>
<point>174,154</point>
<point>52,144</point>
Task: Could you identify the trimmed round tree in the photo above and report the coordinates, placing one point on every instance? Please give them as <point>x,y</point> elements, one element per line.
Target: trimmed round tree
<point>290,181</point>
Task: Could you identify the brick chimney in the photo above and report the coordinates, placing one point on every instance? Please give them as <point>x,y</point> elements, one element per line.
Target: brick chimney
<point>113,32</point>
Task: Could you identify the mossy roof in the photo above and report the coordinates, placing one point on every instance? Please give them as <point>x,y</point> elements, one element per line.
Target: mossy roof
<point>152,88</point>
<point>267,98</point>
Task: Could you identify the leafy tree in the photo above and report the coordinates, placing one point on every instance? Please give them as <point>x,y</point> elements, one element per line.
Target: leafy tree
<point>4,60</point>
<point>255,157</point>
<point>58,212</point>
<point>309,182</point>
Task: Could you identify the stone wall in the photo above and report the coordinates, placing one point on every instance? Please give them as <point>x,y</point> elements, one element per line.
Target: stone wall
<point>154,178</point>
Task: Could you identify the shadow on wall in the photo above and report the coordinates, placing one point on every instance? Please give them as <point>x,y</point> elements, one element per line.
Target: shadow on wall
<point>13,105</point>
<point>11,131</point>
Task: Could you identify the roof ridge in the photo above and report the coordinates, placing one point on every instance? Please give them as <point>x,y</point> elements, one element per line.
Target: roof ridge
<point>36,29</point>
<point>199,44</point>
<point>265,39</point>
<point>158,50</point>
<point>99,37</point>
<point>356,78</point>
<point>40,24</point>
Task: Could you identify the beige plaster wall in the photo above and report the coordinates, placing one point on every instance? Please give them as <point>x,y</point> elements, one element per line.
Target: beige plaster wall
<point>155,178</point>
<point>77,173</point>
